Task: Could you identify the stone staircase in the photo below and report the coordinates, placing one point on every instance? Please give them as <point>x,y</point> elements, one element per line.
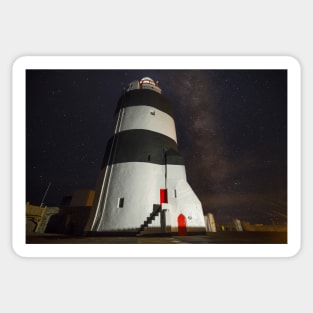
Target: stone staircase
<point>156,211</point>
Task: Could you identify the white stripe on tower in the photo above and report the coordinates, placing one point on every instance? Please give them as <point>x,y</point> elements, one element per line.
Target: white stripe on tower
<point>148,118</point>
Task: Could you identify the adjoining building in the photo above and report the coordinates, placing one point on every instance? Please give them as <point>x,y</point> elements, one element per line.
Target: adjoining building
<point>68,218</point>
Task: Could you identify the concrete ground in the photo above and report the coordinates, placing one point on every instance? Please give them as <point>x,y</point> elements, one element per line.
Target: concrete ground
<point>210,238</point>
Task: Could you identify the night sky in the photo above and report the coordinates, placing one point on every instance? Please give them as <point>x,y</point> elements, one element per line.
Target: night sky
<point>231,130</point>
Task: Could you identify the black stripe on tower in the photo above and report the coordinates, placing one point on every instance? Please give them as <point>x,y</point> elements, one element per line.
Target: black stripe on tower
<point>145,97</point>
<point>140,145</point>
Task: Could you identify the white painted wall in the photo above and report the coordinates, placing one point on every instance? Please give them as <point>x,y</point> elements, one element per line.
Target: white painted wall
<point>139,184</point>
<point>211,226</point>
<point>140,117</point>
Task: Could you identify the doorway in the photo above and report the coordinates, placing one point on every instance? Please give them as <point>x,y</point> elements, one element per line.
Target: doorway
<point>182,225</point>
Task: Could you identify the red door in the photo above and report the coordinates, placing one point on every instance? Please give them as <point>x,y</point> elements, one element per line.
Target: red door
<point>163,196</point>
<point>182,227</point>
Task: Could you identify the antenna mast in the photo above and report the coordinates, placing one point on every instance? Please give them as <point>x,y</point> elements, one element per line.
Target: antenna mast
<point>45,194</point>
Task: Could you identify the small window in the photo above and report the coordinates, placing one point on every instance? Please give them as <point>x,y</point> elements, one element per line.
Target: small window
<point>174,193</point>
<point>120,202</point>
<point>149,157</point>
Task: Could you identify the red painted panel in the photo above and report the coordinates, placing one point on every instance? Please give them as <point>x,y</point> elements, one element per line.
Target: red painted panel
<point>163,196</point>
<point>182,225</point>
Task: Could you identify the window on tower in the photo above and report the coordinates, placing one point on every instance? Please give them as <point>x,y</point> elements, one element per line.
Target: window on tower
<point>120,202</point>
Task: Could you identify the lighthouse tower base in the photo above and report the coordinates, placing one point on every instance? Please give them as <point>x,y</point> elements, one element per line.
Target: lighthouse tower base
<point>169,221</point>
<point>182,215</point>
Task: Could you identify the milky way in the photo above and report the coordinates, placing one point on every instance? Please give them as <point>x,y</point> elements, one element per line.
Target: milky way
<point>231,130</point>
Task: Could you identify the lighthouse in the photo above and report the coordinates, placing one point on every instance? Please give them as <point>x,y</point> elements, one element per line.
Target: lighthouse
<point>142,187</point>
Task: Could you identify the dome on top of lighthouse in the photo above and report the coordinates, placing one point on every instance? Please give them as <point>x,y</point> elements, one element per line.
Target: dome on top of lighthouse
<point>149,83</point>
<point>144,83</point>
<point>147,80</point>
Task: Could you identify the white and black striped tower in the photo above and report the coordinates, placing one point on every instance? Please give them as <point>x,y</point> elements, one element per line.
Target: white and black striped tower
<point>142,187</point>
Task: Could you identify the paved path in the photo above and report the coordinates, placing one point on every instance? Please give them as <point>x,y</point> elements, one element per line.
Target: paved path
<point>210,238</point>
